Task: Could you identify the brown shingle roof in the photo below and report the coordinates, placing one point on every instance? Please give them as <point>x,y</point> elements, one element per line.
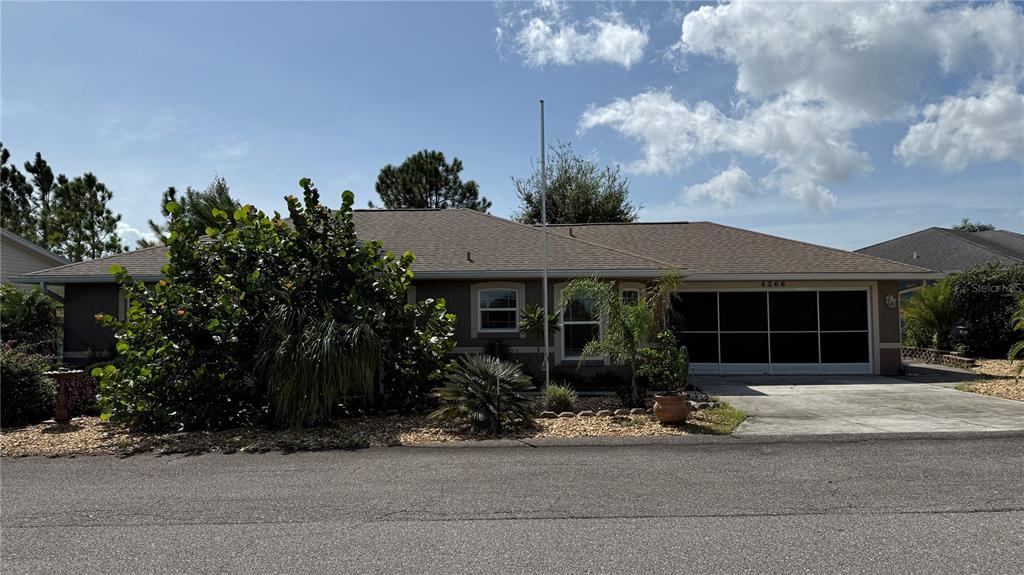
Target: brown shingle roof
<point>709,248</point>
<point>442,240</point>
<point>467,243</point>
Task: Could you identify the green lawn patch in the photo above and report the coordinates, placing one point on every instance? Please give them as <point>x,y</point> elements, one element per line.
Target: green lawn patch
<point>721,420</point>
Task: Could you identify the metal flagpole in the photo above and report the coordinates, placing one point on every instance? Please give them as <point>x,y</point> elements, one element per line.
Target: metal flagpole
<point>544,235</point>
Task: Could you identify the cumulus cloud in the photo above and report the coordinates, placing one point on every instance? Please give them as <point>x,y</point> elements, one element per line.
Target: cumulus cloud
<point>546,35</point>
<point>963,130</point>
<point>808,75</point>
<point>726,189</point>
<point>130,234</point>
<point>808,143</point>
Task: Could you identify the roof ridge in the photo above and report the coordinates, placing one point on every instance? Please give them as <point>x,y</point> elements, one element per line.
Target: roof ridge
<point>907,235</point>
<point>677,222</point>
<point>965,237</point>
<point>856,254</point>
<point>572,238</point>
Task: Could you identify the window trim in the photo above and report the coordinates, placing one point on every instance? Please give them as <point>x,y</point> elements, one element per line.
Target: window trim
<point>475,292</point>
<point>561,333</point>
<point>638,287</point>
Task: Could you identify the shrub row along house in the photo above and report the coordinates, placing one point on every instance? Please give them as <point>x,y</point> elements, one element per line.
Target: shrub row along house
<point>749,302</point>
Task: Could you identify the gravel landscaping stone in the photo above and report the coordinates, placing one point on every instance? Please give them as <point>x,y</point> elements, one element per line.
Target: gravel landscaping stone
<point>1001,382</point>
<point>90,436</point>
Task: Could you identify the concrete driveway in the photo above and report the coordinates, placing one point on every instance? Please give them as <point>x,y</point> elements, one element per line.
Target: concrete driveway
<point>782,405</point>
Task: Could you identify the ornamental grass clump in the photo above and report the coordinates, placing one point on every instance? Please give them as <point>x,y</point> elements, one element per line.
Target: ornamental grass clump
<point>559,398</point>
<point>486,393</point>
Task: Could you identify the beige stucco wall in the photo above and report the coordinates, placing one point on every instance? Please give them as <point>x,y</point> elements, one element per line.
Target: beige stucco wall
<point>883,324</point>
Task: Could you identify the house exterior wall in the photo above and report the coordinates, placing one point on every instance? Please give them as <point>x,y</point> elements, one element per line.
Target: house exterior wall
<point>16,259</point>
<point>458,294</point>
<point>84,338</point>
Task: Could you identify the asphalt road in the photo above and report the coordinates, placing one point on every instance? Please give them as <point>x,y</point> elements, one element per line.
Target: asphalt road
<point>950,505</point>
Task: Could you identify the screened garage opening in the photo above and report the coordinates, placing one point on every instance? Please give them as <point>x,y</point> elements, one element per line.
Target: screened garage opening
<point>784,331</point>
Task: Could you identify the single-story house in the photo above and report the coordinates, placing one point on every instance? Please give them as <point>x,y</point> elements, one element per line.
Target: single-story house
<point>950,251</point>
<point>19,256</point>
<point>750,302</point>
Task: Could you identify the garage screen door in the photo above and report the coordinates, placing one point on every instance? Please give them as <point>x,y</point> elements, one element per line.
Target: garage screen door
<point>775,331</point>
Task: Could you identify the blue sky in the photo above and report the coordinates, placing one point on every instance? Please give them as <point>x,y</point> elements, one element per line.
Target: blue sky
<point>843,125</point>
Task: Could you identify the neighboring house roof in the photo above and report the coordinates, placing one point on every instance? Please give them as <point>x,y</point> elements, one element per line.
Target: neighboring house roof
<point>706,249</point>
<point>19,256</point>
<point>464,243</point>
<point>952,250</point>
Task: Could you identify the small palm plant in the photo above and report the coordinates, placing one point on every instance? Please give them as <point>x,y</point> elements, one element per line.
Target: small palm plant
<point>487,393</point>
<point>627,328</point>
<point>532,323</point>
<point>932,307</point>
<point>1017,351</point>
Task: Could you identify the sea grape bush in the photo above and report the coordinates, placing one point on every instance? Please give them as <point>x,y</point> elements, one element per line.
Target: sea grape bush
<point>267,320</point>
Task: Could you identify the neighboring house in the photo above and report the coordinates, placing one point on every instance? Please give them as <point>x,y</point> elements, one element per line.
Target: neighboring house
<point>19,256</point>
<point>951,251</point>
<point>751,303</point>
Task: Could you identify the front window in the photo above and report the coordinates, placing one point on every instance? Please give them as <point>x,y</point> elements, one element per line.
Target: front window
<point>580,325</point>
<point>630,297</point>
<point>498,309</point>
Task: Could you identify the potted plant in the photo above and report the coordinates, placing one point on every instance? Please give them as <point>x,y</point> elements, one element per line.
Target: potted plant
<point>667,366</point>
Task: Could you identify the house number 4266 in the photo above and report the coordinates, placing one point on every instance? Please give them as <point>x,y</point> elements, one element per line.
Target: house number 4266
<point>773,283</point>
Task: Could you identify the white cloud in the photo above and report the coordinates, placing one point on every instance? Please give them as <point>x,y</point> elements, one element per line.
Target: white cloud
<point>808,143</point>
<point>964,130</point>
<point>130,234</point>
<point>809,75</point>
<point>726,189</point>
<point>548,36</point>
<point>871,58</point>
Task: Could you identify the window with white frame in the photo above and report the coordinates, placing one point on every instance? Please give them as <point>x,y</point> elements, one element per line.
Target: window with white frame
<point>498,309</point>
<point>630,296</point>
<point>581,324</point>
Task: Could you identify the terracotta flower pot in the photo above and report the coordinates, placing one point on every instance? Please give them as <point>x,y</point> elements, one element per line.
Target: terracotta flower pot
<point>672,408</point>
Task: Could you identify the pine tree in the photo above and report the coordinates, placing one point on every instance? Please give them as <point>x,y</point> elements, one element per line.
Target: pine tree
<point>196,209</point>
<point>43,180</point>
<point>425,180</point>
<point>86,227</point>
<point>17,213</point>
<point>578,192</point>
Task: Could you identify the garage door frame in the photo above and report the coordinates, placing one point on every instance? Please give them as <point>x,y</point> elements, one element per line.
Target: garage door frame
<point>819,368</point>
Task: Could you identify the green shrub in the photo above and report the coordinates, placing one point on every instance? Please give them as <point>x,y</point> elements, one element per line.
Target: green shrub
<point>914,333</point>
<point>272,323</point>
<point>667,365</point>
<point>931,309</point>
<point>559,398</point>
<point>29,319</point>
<point>487,393</point>
<point>26,395</point>
<point>985,298</point>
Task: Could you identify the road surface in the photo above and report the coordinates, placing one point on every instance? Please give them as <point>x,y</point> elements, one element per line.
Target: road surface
<point>948,505</point>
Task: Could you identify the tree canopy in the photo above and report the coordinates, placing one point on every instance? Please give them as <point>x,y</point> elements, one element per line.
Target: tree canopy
<point>967,225</point>
<point>578,191</point>
<point>68,216</point>
<point>196,209</point>
<point>426,180</point>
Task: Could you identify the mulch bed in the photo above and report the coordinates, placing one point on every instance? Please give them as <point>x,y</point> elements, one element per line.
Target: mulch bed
<point>90,436</point>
